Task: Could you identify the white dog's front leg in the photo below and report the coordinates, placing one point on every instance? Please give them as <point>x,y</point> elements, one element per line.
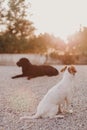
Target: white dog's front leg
<point>68,105</point>
<point>61,108</point>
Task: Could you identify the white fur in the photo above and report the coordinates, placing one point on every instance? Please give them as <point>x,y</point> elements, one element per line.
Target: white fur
<point>55,98</point>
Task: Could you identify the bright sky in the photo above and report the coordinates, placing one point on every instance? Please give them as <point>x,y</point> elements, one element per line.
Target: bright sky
<point>59,17</point>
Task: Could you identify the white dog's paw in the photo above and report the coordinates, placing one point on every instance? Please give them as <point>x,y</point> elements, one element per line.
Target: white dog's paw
<point>60,116</point>
<point>70,111</point>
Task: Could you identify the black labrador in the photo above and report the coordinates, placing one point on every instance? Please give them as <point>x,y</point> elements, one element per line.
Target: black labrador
<point>29,70</point>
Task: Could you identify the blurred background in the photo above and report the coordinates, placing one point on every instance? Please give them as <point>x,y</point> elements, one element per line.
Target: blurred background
<point>60,42</point>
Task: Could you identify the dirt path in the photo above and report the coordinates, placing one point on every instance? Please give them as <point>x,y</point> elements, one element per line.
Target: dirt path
<point>20,97</point>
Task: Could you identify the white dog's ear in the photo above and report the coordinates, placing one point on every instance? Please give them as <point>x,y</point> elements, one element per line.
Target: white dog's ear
<point>63,69</point>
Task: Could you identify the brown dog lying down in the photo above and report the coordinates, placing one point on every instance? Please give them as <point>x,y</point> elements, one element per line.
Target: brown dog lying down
<point>32,71</point>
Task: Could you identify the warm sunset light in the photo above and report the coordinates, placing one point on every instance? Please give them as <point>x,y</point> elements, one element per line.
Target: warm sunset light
<point>58,17</point>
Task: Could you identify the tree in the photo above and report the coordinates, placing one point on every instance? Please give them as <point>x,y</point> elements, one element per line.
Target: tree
<point>2,14</point>
<point>18,28</point>
<point>18,24</point>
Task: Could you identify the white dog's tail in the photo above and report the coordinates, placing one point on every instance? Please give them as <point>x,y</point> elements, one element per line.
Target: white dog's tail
<point>30,117</point>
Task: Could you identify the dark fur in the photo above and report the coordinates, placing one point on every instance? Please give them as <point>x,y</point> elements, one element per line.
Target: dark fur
<point>32,71</point>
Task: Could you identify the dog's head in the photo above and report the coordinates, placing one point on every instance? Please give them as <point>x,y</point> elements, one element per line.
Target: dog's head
<point>23,62</point>
<point>71,69</point>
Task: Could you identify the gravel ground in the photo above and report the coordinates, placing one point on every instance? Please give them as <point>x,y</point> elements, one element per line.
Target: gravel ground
<point>20,97</point>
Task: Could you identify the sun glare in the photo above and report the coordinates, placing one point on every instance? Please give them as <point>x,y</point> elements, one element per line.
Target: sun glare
<point>58,17</point>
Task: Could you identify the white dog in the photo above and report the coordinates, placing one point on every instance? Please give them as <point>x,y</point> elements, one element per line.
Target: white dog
<point>56,97</point>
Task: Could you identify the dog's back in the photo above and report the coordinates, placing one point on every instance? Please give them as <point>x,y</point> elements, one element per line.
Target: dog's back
<point>47,70</point>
